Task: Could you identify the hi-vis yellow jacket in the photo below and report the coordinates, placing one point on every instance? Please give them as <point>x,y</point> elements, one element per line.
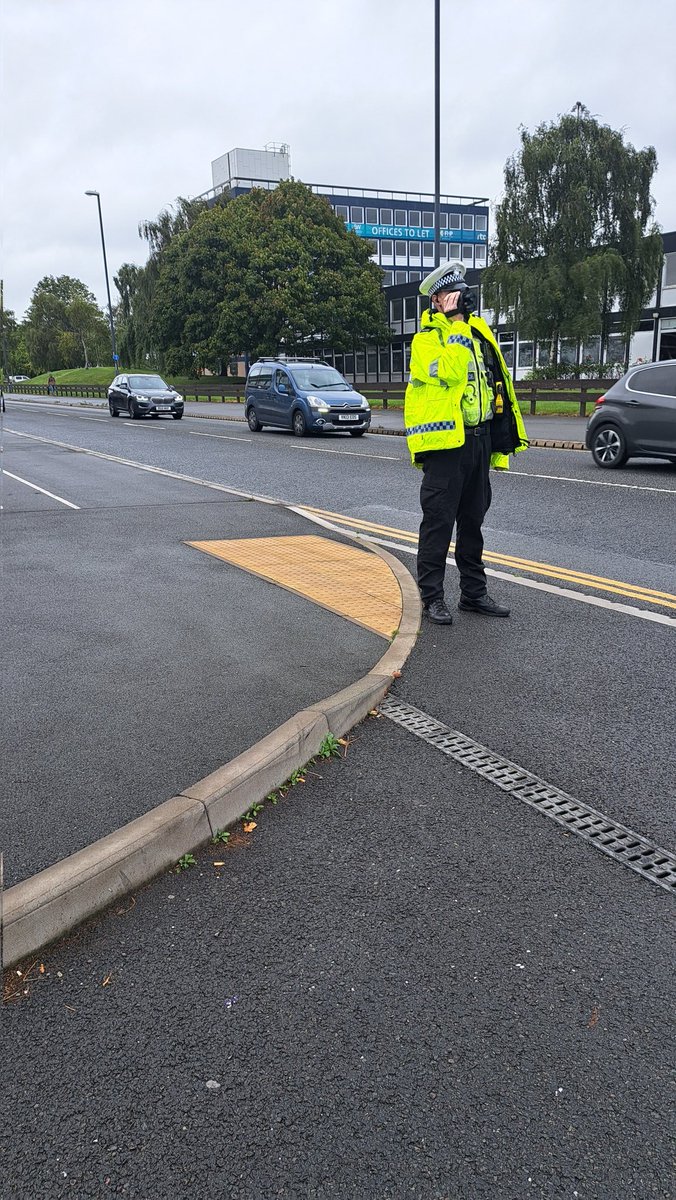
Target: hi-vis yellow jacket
<point>441,356</point>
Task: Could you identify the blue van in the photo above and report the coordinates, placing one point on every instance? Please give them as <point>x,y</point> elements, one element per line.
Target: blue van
<point>303,394</point>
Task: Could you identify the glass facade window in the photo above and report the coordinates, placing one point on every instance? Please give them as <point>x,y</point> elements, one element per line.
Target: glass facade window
<point>388,278</point>
<point>481,223</point>
<point>454,220</point>
<point>384,360</point>
<point>360,363</point>
<point>454,250</point>
<point>386,216</point>
<point>371,362</point>
<point>386,249</point>
<point>428,252</point>
<point>428,220</point>
<point>591,350</point>
<point>443,220</point>
<point>669,270</point>
<point>414,251</point>
<point>397,359</point>
<point>414,276</point>
<point>401,276</point>
<point>396,312</point>
<point>543,354</point>
<point>468,253</point>
<point>342,212</point>
<point>374,246</point>
<point>480,256</point>
<point>409,308</point>
<point>349,364</point>
<point>616,349</point>
<point>568,351</point>
<point>400,216</point>
<point>414,217</point>
<point>371,216</point>
<point>400,249</point>
<point>525,354</point>
<point>468,220</point>
<point>507,348</point>
<point>357,213</point>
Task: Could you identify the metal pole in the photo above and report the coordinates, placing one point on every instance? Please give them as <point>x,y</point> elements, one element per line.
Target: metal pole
<point>437,136</point>
<point>105,268</point>
<point>656,311</point>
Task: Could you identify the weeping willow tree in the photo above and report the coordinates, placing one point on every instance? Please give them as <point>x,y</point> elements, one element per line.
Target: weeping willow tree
<point>575,235</point>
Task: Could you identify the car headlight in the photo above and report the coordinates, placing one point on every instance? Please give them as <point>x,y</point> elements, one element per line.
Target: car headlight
<point>178,399</point>
<point>315,402</point>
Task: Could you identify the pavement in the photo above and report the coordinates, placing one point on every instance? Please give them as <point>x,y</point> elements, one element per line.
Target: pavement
<point>393,979</point>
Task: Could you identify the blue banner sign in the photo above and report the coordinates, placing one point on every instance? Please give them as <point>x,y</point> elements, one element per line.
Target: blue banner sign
<point>415,233</point>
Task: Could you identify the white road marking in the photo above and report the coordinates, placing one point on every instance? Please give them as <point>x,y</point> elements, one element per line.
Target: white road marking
<point>224,436</point>
<point>354,453</point>
<point>635,487</point>
<point>566,593</point>
<point>44,491</point>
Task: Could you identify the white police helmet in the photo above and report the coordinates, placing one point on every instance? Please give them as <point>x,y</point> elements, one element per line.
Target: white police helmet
<point>448,277</point>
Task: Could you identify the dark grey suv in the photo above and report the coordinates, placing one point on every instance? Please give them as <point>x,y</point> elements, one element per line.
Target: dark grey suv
<point>637,416</point>
<point>143,396</point>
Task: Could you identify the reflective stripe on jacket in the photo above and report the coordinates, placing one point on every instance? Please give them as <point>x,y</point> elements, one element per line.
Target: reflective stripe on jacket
<point>442,354</point>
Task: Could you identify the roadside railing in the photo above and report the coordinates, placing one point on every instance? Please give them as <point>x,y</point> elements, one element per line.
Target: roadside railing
<point>583,392</point>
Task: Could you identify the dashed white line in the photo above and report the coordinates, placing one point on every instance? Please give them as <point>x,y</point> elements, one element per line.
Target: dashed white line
<point>635,487</point>
<point>353,453</point>
<point>224,436</point>
<point>44,491</point>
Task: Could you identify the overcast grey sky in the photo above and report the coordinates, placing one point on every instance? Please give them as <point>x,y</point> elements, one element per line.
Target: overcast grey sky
<point>135,98</point>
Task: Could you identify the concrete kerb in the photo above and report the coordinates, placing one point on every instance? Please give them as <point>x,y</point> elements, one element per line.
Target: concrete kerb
<point>42,909</point>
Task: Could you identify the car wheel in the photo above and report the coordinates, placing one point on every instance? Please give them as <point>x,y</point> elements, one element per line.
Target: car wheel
<point>299,424</point>
<point>357,432</point>
<point>252,420</point>
<point>112,409</point>
<point>177,416</point>
<point>133,411</point>
<point>609,447</point>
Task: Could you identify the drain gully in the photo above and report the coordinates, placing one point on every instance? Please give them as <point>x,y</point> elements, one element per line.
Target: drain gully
<point>617,841</point>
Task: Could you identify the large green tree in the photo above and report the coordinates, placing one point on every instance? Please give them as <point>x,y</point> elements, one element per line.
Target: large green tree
<point>136,285</point>
<point>267,272</point>
<point>64,326</point>
<point>574,232</point>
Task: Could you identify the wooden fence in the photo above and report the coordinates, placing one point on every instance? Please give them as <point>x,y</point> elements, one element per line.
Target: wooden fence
<point>583,392</point>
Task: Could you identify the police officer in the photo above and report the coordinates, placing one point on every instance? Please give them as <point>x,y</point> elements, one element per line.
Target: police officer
<point>461,418</point>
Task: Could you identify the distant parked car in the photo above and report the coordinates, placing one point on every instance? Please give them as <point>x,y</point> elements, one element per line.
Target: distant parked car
<point>303,395</point>
<point>637,416</point>
<point>19,378</point>
<point>143,396</point>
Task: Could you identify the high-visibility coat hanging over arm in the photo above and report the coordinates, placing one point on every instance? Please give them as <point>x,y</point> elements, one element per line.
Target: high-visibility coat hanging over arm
<point>456,367</point>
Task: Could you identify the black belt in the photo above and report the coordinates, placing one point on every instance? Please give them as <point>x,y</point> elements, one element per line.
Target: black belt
<point>477,430</point>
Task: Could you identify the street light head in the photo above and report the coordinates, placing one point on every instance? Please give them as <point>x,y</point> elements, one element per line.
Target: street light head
<point>91,193</point>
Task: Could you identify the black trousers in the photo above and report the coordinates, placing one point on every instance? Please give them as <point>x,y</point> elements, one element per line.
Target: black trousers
<point>455,490</point>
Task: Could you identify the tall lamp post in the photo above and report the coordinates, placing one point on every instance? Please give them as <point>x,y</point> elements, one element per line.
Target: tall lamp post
<point>437,136</point>
<point>105,267</point>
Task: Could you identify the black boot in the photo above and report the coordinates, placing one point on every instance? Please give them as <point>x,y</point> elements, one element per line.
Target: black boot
<point>483,605</point>
<point>438,612</point>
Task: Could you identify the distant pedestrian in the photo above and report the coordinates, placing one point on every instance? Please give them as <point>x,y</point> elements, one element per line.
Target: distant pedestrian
<point>461,417</point>
<point>51,386</point>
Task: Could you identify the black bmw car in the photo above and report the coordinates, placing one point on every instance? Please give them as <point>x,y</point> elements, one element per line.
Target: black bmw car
<point>144,396</point>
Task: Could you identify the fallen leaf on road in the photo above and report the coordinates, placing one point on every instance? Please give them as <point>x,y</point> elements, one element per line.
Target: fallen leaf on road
<point>107,980</point>
<point>219,864</point>
<point>593,1020</point>
<point>249,826</point>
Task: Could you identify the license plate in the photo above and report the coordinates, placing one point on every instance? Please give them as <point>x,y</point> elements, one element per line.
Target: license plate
<point>162,408</point>
<point>349,417</point>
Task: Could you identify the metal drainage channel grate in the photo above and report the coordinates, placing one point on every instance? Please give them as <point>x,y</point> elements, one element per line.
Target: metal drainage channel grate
<point>615,840</point>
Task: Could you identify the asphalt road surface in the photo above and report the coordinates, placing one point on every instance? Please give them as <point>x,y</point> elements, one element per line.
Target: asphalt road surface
<point>403,984</point>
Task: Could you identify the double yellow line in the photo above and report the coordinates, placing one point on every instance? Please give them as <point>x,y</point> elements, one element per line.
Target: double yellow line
<point>549,570</point>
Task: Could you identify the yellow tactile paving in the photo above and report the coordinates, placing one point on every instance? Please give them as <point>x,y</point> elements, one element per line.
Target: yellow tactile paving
<point>354,583</point>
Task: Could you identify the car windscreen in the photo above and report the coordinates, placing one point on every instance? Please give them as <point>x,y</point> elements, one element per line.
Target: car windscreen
<point>148,383</point>
<point>315,378</point>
